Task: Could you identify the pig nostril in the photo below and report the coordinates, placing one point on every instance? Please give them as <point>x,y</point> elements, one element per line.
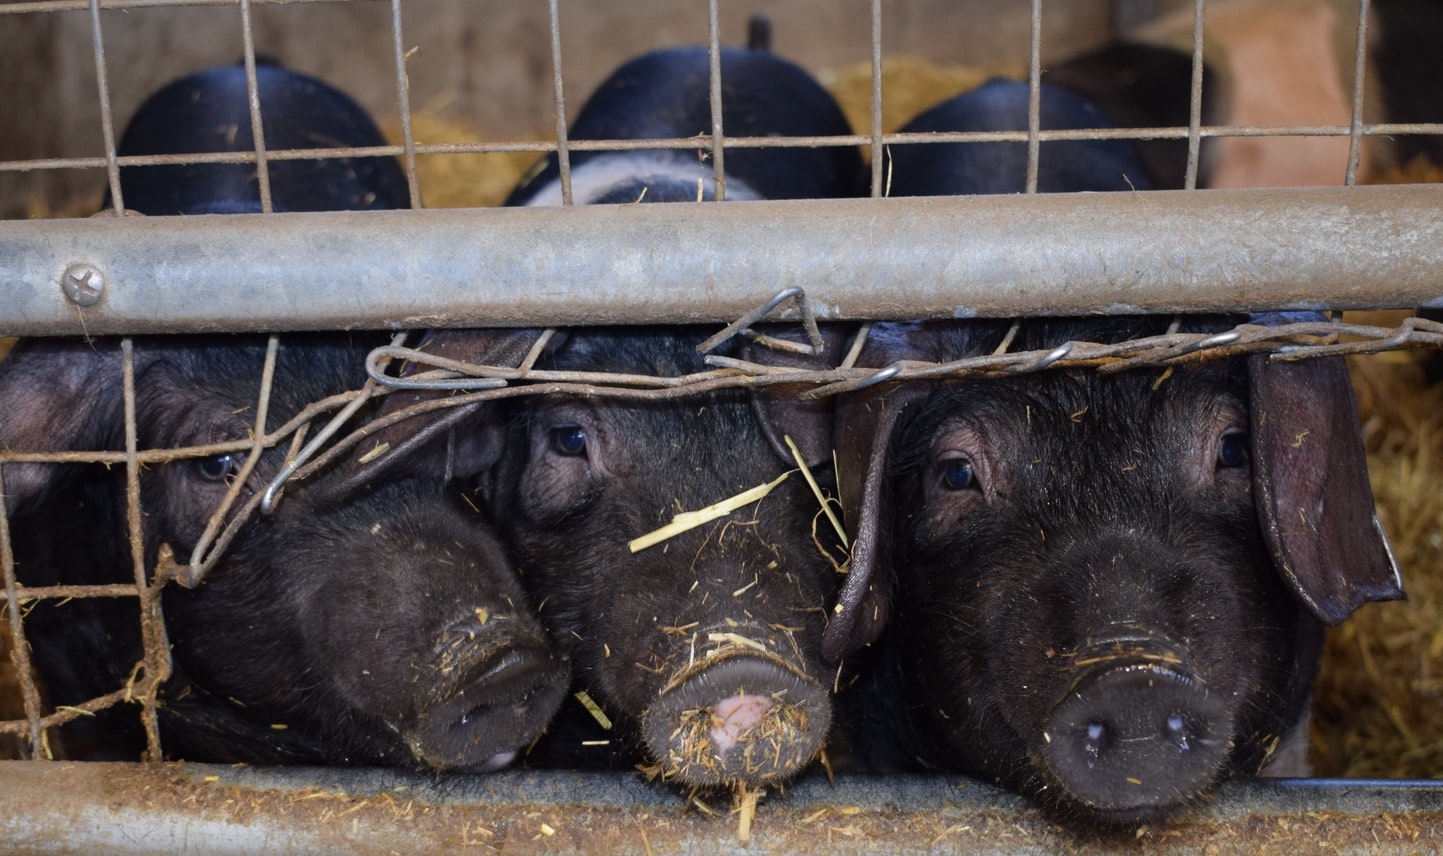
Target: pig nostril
<point>504,701</point>
<point>1135,737</point>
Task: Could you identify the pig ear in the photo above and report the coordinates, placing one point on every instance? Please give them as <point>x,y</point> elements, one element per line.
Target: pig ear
<point>781,413</point>
<point>56,395</point>
<point>866,423</point>
<point>476,447</point>
<point>1313,497</point>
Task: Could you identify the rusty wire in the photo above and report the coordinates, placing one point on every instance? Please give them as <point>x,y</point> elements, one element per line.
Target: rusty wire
<point>1294,341</point>
<point>268,373</point>
<point>155,661</point>
<point>19,650</point>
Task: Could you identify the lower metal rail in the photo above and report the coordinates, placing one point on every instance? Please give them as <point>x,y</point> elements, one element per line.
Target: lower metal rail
<point>194,808</point>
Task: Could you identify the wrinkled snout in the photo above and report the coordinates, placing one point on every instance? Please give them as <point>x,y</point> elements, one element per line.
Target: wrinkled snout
<point>499,689</point>
<point>747,718</point>
<point>1134,734</point>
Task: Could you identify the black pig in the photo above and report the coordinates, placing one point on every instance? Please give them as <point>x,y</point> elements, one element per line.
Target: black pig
<point>704,648</point>
<point>663,95</point>
<point>1105,590</point>
<point>208,112</point>
<point>385,627</point>
<point>1145,86</point>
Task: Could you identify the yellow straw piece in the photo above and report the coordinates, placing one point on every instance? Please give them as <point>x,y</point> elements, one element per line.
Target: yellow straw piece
<point>691,519</point>
<point>817,491</point>
<point>594,709</point>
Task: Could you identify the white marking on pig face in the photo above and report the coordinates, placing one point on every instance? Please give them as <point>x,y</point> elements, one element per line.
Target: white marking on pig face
<point>598,176</point>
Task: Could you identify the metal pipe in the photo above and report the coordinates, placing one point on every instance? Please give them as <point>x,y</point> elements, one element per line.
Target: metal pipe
<point>1057,254</point>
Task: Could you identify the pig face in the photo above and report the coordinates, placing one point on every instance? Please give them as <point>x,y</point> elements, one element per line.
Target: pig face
<point>1081,576</point>
<point>706,643</point>
<point>384,628</point>
<point>1107,589</point>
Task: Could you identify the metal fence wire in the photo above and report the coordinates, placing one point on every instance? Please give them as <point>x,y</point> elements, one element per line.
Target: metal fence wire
<point>1326,248</point>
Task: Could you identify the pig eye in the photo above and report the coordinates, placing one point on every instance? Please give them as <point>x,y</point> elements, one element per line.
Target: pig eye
<point>1233,449</point>
<point>958,474</point>
<point>221,468</point>
<point>569,440</point>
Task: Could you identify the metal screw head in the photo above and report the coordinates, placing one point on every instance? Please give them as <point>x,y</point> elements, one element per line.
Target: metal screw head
<point>83,284</point>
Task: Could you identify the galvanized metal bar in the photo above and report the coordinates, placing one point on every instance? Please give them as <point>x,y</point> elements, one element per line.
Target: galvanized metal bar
<point>1060,254</point>
<point>403,98</point>
<point>558,92</point>
<point>714,98</point>
<point>879,187</point>
<point>1194,118</point>
<point>248,40</point>
<point>1360,65</point>
<point>195,808</point>
<point>107,121</point>
<point>1034,95</point>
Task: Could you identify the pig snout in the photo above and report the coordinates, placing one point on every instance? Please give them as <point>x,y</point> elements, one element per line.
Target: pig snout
<point>497,688</point>
<point>1135,729</point>
<point>737,716</point>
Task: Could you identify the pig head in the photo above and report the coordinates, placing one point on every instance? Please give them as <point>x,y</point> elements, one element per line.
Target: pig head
<point>703,648</point>
<point>388,628</point>
<point>1105,591</point>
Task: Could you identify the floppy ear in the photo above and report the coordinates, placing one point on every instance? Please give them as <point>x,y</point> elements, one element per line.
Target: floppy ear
<point>1313,498</point>
<point>866,423</point>
<point>780,413</point>
<point>56,395</point>
<point>417,447</point>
